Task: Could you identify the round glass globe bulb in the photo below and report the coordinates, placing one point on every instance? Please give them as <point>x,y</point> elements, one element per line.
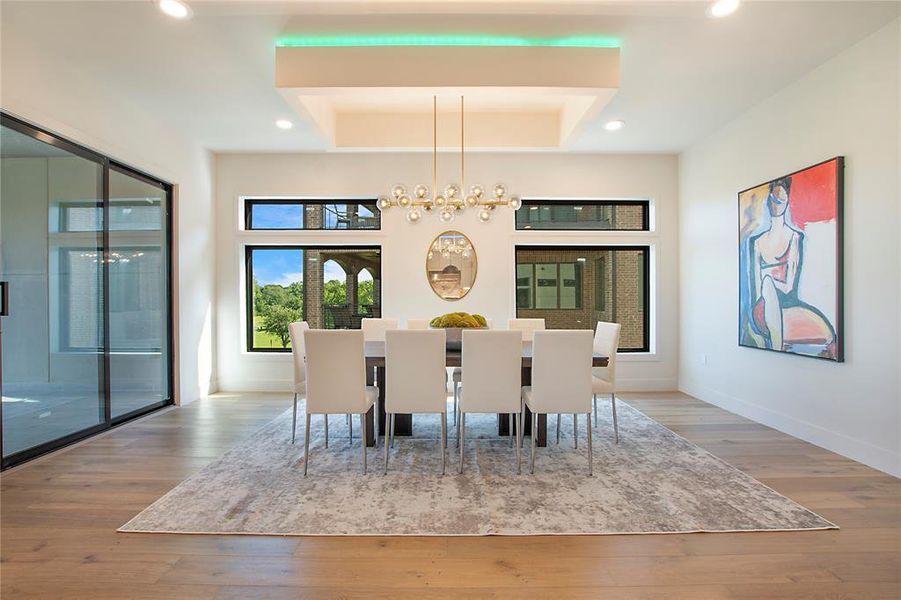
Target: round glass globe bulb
<point>472,201</point>
<point>484,215</point>
<point>397,191</point>
<point>515,202</point>
<point>404,201</point>
<point>414,216</point>
<point>420,191</point>
<point>476,190</point>
<point>452,190</point>
<point>446,216</point>
<point>499,190</point>
<point>384,202</point>
<point>440,201</point>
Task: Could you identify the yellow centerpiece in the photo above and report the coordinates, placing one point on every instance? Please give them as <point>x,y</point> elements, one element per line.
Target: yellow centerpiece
<point>460,320</point>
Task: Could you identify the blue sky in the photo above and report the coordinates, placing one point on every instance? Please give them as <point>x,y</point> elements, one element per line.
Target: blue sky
<point>284,267</point>
<point>278,216</point>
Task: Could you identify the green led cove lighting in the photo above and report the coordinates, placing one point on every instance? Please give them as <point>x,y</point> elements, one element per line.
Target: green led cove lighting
<point>338,41</point>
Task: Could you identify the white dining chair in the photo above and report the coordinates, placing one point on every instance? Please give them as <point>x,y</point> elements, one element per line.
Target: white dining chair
<point>528,327</point>
<point>457,377</point>
<point>492,361</point>
<point>336,380</point>
<point>374,329</point>
<point>561,381</point>
<point>603,381</point>
<point>419,388</point>
<point>418,323</point>
<point>296,331</point>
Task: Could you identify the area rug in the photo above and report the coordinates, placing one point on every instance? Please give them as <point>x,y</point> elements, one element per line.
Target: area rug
<point>653,481</point>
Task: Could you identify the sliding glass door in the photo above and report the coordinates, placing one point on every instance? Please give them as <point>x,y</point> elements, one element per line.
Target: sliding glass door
<point>85,335</point>
<point>138,292</point>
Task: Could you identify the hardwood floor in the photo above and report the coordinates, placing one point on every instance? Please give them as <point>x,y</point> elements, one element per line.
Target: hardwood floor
<point>60,513</point>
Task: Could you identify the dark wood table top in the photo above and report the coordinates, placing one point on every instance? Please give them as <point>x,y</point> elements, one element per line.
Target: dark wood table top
<point>375,356</point>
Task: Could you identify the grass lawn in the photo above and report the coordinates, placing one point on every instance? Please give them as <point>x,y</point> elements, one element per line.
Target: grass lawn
<point>261,339</point>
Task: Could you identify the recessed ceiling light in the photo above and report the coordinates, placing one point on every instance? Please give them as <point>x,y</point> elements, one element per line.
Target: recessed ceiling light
<point>284,124</point>
<point>722,8</point>
<point>175,9</point>
<point>614,125</point>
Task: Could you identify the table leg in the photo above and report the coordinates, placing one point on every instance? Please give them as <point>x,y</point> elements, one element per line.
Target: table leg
<point>403,423</point>
<point>503,425</point>
<point>370,416</point>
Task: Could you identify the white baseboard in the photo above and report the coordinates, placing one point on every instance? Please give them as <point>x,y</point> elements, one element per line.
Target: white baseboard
<point>256,385</point>
<point>855,449</point>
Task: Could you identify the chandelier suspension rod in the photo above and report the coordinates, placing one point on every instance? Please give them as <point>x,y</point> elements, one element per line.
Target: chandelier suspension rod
<point>462,159</point>
<point>434,147</point>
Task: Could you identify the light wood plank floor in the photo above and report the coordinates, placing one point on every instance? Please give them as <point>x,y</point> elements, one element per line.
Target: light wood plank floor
<point>59,516</point>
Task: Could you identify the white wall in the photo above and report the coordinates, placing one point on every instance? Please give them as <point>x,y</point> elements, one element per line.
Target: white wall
<point>848,106</point>
<point>405,291</point>
<point>56,93</point>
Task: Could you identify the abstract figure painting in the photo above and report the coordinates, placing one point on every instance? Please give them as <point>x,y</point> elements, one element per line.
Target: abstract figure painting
<point>790,263</point>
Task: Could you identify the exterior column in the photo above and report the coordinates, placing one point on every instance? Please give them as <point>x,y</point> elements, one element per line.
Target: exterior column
<point>377,293</point>
<point>313,289</point>
<point>350,282</point>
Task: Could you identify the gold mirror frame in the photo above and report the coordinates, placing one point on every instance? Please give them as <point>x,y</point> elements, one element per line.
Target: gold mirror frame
<point>442,281</point>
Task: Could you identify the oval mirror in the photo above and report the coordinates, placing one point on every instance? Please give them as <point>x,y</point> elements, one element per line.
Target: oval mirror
<point>451,265</point>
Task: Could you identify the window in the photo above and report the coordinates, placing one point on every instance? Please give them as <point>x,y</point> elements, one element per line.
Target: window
<point>621,215</point>
<point>311,214</point>
<point>574,287</point>
<point>552,285</point>
<point>329,287</point>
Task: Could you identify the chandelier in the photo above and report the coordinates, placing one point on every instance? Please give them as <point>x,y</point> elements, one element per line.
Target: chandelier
<point>452,200</point>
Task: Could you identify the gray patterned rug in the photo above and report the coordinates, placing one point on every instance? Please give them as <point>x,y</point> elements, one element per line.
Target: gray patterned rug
<point>653,481</point>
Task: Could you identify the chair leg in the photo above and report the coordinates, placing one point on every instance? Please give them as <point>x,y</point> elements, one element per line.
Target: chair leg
<point>615,424</point>
<point>350,429</point>
<point>558,428</point>
<point>387,443</point>
<point>575,430</point>
<point>363,439</point>
<point>461,438</point>
<point>511,424</point>
<point>594,399</point>
<point>391,429</point>
<point>326,430</point>
<point>444,442</point>
<point>455,402</point>
<point>375,423</point>
<point>590,461</point>
<point>519,444</point>
<point>294,419</point>
<point>534,435</point>
<point>306,446</point>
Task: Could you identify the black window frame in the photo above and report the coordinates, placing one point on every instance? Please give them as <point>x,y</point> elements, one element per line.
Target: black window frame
<point>645,283</point>
<point>107,164</point>
<point>542,202</point>
<point>249,203</point>
<point>248,282</point>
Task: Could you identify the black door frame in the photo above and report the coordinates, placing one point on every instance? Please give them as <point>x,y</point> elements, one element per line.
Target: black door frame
<point>106,163</point>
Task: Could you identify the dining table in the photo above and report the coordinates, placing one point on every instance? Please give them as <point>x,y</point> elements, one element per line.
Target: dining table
<point>377,374</point>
